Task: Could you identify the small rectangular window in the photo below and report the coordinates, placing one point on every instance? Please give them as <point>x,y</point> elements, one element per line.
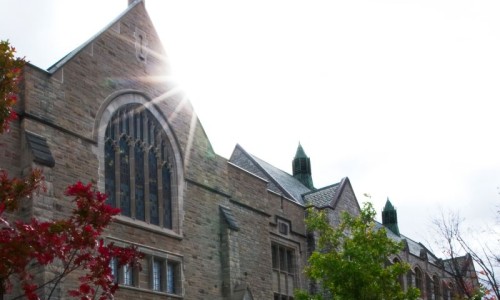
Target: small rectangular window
<point>283,228</point>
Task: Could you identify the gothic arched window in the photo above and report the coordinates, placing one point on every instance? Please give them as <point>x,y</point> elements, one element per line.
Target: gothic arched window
<point>419,284</point>
<point>137,168</point>
<point>400,277</point>
<point>437,287</point>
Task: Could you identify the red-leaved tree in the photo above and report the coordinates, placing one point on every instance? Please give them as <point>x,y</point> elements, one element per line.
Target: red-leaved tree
<point>70,244</point>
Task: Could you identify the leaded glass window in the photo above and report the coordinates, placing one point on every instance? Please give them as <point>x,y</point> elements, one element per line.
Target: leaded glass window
<point>128,275</point>
<point>419,280</point>
<point>171,277</point>
<point>137,168</point>
<point>113,265</point>
<point>283,262</point>
<point>157,274</point>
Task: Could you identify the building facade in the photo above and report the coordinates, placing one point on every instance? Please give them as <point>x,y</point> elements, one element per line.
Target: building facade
<point>210,227</point>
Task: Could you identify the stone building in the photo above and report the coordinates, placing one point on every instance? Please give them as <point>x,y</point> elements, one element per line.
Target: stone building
<point>210,227</point>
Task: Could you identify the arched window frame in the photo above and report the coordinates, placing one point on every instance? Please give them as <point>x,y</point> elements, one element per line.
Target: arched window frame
<point>401,280</point>
<point>108,109</point>
<point>419,280</point>
<point>437,287</point>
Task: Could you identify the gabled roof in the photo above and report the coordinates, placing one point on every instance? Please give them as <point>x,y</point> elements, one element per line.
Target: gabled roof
<point>279,180</point>
<point>52,69</point>
<point>328,196</point>
<point>324,196</point>
<point>463,264</point>
<point>414,248</point>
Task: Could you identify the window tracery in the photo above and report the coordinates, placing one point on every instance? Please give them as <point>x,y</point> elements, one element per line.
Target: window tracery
<point>137,166</point>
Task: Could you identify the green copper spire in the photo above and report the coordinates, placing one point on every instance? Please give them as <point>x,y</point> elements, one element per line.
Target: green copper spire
<point>300,152</point>
<point>302,168</point>
<point>390,217</point>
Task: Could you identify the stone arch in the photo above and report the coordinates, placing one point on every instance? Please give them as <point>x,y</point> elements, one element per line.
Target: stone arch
<point>109,107</point>
<point>420,280</point>
<point>436,286</point>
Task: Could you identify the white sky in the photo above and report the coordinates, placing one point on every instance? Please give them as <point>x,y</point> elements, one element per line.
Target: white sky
<point>401,96</point>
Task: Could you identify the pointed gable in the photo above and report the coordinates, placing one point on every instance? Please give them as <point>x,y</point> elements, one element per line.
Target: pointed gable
<point>113,25</point>
<point>339,196</point>
<point>126,57</point>
<point>279,181</point>
<point>322,197</point>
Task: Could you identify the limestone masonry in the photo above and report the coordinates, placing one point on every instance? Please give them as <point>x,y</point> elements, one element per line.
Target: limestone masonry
<point>210,228</point>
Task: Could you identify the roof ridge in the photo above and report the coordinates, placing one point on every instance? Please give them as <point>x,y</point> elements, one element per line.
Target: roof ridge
<point>52,69</point>
<point>264,166</point>
<point>321,189</point>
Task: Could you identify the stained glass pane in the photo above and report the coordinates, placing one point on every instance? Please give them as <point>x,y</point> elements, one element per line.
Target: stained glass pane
<point>109,172</point>
<point>153,189</point>
<point>124,178</point>
<point>167,199</point>
<point>139,184</point>
<point>135,124</point>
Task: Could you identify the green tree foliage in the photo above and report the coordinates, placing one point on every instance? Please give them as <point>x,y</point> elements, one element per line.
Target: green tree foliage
<point>351,261</point>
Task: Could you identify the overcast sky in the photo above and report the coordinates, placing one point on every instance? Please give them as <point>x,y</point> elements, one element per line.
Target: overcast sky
<point>401,96</point>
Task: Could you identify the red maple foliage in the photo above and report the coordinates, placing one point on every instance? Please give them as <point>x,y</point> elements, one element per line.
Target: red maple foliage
<point>10,75</point>
<point>74,243</point>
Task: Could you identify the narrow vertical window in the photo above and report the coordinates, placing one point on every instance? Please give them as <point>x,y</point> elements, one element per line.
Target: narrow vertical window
<point>437,288</point>
<point>419,280</point>
<point>109,169</point>
<point>171,273</point>
<point>274,250</point>
<point>128,275</point>
<point>113,265</point>
<point>283,264</point>
<point>153,189</point>
<point>139,183</point>
<point>289,261</point>
<point>166,185</point>
<point>157,274</point>
<point>409,279</point>
<point>124,177</point>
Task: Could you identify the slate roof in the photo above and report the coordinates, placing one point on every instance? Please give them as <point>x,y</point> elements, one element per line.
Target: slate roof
<point>463,264</point>
<point>322,197</point>
<point>279,180</point>
<point>286,181</point>
<point>414,248</point>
